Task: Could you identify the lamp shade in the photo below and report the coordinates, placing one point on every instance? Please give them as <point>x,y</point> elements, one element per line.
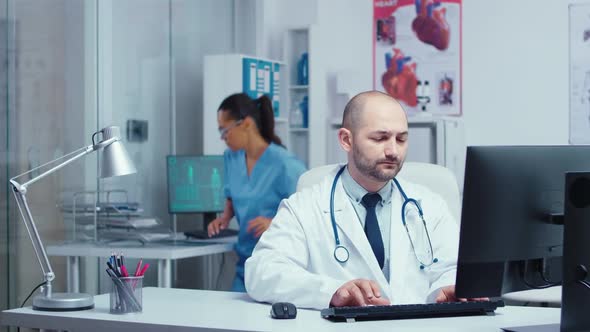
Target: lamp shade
<point>115,159</point>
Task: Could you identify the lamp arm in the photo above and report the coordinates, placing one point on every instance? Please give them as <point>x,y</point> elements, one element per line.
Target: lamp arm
<point>82,152</point>
<point>47,163</point>
<point>25,212</point>
<point>23,187</point>
<point>20,192</point>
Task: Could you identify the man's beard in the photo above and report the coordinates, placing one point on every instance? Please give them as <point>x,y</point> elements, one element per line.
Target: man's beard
<point>370,169</point>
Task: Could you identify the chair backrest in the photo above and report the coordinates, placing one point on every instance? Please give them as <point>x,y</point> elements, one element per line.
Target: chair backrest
<point>437,178</point>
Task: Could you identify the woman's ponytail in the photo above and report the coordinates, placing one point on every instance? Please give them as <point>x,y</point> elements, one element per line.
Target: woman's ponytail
<point>267,120</point>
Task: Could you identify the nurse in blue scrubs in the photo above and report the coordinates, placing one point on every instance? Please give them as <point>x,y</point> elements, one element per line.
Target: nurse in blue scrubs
<point>259,172</point>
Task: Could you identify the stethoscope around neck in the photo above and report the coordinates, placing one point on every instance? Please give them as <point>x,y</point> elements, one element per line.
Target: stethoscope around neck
<point>341,254</point>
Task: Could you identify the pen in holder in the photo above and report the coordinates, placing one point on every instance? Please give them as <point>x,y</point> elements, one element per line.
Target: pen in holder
<point>126,290</point>
<point>126,294</point>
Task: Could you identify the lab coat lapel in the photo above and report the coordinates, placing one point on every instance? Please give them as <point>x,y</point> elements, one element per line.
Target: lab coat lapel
<point>399,248</point>
<point>349,226</point>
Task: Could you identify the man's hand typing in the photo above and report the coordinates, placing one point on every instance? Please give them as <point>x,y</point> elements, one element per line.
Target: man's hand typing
<point>358,292</point>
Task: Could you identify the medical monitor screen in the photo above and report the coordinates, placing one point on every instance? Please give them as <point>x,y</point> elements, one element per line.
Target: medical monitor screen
<point>513,200</point>
<point>195,184</point>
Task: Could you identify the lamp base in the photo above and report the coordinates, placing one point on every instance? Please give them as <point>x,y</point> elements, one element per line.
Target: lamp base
<point>63,302</point>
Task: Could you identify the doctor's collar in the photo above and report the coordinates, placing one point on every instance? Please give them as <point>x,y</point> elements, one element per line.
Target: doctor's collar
<point>356,191</point>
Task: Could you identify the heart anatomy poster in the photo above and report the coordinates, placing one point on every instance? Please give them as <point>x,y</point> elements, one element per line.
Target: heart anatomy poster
<point>579,72</point>
<point>417,53</point>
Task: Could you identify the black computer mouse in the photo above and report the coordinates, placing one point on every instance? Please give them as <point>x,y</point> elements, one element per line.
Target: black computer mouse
<point>283,310</point>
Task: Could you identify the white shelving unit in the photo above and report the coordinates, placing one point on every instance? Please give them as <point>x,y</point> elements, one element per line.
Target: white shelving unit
<point>224,75</point>
<point>296,42</point>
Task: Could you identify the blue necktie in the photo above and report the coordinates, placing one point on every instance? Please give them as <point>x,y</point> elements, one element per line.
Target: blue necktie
<point>372,227</point>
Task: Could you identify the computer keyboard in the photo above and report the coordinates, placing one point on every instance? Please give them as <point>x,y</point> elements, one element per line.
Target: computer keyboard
<point>405,311</point>
<point>202,234</point>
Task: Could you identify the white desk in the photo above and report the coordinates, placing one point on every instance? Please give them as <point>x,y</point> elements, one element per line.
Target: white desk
<point>550,296</point>
<point>164,252</point>
<point>169,309</point>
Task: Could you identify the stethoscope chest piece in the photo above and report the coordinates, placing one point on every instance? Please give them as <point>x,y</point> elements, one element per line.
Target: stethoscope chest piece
<point>341,254</point>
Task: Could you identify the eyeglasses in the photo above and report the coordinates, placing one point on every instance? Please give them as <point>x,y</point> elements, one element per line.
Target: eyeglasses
<point>223,131</point>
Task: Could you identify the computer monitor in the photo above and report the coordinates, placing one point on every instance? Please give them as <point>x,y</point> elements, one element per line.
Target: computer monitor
<point>513,205</point>
<point>195,184</point>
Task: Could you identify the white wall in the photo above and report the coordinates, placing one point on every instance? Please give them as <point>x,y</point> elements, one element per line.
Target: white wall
<point>198,28</point>
<point>279,15</point>
<point>515,72</point>
<point>515,66</point>
<point>341,47</point>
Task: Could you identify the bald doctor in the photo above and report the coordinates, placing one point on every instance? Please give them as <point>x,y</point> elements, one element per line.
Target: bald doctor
<point>361,253</point>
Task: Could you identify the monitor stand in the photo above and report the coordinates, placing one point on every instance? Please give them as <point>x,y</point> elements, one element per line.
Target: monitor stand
<point>575,296</point>
<point>202,233</point>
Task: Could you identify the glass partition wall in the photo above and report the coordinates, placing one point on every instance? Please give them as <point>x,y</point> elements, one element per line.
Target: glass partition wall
<point>43,93</point>
<point>67,69</point>
<point>71,67</point>
<point>134,50</point>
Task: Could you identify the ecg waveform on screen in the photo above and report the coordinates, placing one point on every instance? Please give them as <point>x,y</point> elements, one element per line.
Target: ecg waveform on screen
<point>195,183</point>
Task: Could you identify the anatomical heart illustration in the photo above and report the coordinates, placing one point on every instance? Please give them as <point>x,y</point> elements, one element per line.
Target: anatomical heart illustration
<point>430,24</point>
<point>417,54</point>
<point>400,79</point>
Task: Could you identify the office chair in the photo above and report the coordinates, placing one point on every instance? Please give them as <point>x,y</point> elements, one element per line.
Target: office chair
<point>437,178</point>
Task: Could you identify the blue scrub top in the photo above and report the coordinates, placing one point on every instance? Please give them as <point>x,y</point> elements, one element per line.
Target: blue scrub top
<point>273,178</point>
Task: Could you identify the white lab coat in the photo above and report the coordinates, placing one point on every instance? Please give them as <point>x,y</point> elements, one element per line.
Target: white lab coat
<point>294,259</point>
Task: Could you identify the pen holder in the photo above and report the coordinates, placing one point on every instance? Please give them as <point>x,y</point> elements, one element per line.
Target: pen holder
<point>126,295</point>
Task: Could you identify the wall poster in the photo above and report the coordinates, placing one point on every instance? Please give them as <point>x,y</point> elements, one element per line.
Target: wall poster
<point>417,53</point>
<point>579,73</point>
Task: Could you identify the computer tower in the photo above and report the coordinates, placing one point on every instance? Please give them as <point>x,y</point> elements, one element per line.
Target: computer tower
<point>575,299</point>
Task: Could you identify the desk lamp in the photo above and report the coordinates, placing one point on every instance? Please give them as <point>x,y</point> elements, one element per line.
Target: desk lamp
<point>115,162</point>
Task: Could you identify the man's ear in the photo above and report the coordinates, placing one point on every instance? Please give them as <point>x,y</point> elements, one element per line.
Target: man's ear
<point>345,139</point>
